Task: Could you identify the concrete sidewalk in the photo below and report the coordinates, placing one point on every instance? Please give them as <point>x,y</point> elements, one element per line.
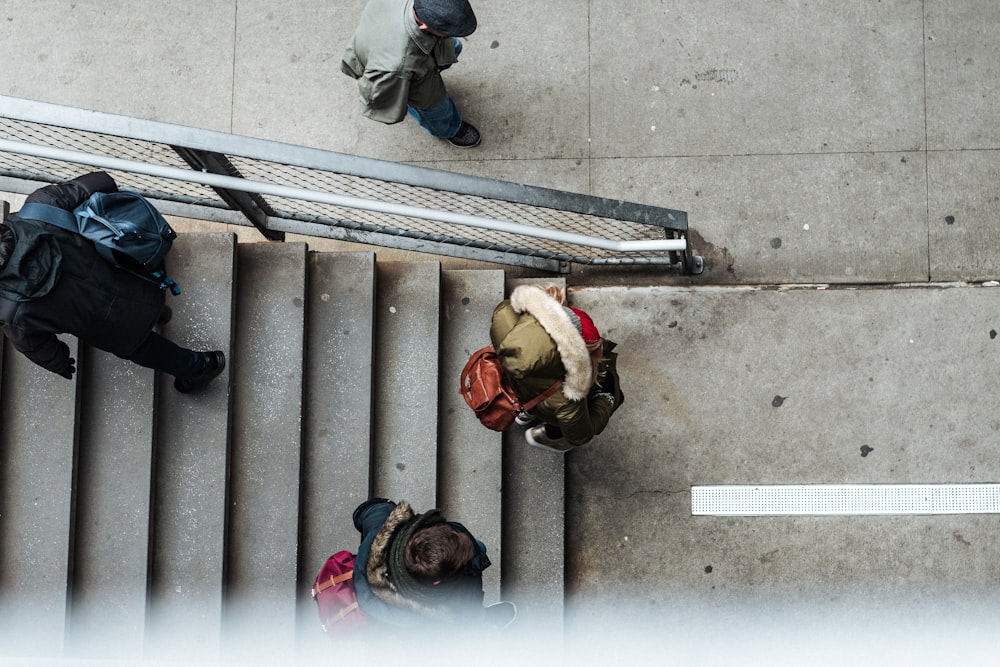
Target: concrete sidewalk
<point>851,143</point>
<point>796,386</point>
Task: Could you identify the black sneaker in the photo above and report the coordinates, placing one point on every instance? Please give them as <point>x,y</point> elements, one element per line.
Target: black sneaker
<point>215,362</point>
<point>466,137</point>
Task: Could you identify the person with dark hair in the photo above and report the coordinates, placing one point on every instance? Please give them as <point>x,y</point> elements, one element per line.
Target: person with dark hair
<point>397,54</point>
<point>54,281</point>
<point>414,569</point>
<point>540,341</point>
<point>438,553</point>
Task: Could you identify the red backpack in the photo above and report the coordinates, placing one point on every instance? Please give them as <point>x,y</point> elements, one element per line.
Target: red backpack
<point>334,594</point>
<point>488,392</point>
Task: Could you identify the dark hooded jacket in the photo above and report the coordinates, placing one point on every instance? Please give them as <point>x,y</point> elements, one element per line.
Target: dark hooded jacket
<point>378,581</point>
<point>52,281</point>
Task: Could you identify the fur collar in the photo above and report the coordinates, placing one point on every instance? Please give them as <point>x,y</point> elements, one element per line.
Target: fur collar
<point>377,571</point>
<point>552,316</point>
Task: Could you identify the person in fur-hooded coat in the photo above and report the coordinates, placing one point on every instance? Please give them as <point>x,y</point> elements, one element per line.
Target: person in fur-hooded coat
<point>540,341</point>
<point>389,593</point>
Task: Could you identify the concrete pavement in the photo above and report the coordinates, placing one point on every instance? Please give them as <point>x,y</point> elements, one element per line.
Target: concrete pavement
<point>850,143</point>
<point>789,386</point>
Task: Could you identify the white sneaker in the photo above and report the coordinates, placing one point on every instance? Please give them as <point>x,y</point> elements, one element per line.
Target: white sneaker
<point>501,614</point>
<point>536,437</point>
<point>525,419</point>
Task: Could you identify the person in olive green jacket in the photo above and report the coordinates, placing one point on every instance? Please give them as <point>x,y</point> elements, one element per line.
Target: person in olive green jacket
<point>396,55</point>
<point>539,341</point>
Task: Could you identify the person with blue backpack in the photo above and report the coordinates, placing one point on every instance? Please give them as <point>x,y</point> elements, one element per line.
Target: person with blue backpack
<point>55,281</point>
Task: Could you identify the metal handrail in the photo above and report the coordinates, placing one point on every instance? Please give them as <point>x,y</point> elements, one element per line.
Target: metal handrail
<point>282,188</point>
<point>261,187</point>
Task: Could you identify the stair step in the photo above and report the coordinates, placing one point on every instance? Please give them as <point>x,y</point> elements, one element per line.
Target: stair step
<point>337,422</point>
<point>262,559</point>
<point>113,507</point>
<point>138,523</point>
<point>37,469</point>
<point>407,320</point>
<point>471,485</point>
<point>192,460</point>
<point>534,528</point>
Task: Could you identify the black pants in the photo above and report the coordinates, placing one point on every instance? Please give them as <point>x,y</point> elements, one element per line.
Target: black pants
<point>160,354</point>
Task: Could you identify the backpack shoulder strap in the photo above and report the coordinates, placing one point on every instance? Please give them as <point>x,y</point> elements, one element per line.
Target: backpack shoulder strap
<point>332,581</point>
<point>53,215</point>
<point>542,396</point>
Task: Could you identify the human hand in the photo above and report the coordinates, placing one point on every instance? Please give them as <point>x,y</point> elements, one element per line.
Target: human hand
<point>605,395</point>
<point>607,383</point>
<point>69,369</point>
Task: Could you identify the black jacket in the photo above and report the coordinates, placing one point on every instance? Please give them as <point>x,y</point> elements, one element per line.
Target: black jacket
<point>53,281</point>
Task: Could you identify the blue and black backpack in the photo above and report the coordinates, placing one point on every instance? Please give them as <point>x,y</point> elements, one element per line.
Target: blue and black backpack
<point>126,229</point>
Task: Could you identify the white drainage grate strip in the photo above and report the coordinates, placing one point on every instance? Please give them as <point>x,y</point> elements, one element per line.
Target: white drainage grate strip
<point>845,499</point>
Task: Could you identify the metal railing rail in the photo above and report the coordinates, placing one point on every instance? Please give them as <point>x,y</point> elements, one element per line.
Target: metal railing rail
<point>283,188</point>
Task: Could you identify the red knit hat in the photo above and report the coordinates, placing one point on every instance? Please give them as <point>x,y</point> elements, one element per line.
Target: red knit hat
<point>587,328</point>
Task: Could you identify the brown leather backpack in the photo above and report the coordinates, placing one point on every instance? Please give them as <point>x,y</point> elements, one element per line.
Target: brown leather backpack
<point>488,392</point>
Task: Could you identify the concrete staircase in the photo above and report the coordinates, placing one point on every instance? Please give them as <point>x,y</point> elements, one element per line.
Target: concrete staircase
<point>137,523</point>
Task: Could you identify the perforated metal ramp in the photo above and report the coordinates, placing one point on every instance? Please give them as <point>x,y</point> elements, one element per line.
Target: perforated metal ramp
<point>843,499</point>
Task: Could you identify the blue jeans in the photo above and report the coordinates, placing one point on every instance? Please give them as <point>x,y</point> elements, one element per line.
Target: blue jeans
<point>441,120</point>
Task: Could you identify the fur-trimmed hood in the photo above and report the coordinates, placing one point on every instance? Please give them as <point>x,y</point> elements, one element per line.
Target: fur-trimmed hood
<point>377,571</point>
<point>554,319</point>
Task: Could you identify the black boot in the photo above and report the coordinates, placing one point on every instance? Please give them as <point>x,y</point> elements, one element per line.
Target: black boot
<point>214,363</point>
